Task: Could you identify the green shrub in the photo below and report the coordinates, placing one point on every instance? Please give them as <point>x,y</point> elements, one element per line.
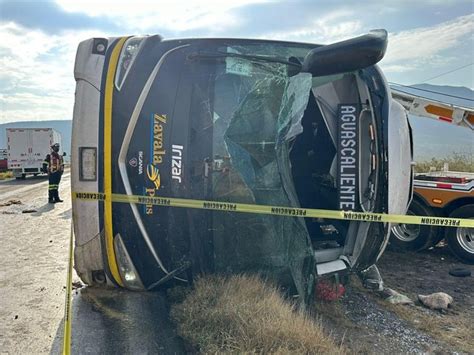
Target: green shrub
<point>6,175</point>
<point>457,162</point>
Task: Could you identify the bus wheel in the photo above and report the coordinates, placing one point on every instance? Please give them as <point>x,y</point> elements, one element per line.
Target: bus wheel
<point>461,240</point>
<point>413,236</point>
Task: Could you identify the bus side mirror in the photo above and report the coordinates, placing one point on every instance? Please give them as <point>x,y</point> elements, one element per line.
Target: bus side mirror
<point>346,56</point>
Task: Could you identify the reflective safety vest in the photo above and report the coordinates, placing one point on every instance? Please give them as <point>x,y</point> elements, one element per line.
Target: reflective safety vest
<point>55,162</point>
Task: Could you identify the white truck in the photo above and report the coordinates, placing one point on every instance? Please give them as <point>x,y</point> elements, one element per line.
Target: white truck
<point>27,149</point>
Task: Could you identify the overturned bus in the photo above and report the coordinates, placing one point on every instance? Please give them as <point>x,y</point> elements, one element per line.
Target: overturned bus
<point>233,120</point>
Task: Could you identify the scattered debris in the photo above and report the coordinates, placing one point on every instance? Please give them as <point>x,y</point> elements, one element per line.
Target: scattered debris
<point>16,316</point>
<point>329,291</point>
<point>395,297</point>
<point>10,202</point>
<point>30,210</point>
<point>368,326</point>
<point>460,272</point>
<point>438,300</point>
<point>77,284</point>
<point>371,278</point>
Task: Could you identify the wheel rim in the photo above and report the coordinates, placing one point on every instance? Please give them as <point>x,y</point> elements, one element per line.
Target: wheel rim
<point>465,237</point>
<point>406,232</point>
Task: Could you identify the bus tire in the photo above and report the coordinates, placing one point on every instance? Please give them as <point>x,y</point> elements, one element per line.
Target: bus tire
<point>461,239</point>
<point>412,236</point>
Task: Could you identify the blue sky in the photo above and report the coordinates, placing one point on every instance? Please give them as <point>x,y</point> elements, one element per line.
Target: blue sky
<point>39,38</point>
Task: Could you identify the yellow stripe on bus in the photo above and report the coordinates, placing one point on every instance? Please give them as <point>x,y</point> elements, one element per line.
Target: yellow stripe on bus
<point>109,90</point>
<point>275,210</point>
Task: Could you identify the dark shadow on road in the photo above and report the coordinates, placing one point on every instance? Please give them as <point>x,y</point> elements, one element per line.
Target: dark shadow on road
<point>24,182</point>
<point>115,321</point>
<point>45,208</point>
<point>57,347</point>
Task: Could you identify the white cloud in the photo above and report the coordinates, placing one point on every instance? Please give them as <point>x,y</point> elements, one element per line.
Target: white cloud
<point>415,48</point>
<point>332,27</point>
<point>398,68</point>
<point>36,69</point>
<point>34,107</point>
<point>174,16</point>
<point>36,73</point>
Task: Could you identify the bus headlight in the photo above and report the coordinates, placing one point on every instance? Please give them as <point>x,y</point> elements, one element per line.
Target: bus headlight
<point>127,270</point>
<point>99,46</point>
<point>127,57</point>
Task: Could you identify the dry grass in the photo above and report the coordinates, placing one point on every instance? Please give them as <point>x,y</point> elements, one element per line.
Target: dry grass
<point>6,175</point>
<point>244,314</point>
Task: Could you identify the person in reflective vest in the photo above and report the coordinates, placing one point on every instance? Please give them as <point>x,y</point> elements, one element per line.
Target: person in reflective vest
<point>53,165</point>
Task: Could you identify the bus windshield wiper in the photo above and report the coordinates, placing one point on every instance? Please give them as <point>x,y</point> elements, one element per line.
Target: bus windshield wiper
<point>292,61</point>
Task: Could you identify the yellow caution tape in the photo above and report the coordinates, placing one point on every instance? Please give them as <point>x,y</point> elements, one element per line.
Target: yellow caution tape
<point>275,210</point>
<point>67,306</point>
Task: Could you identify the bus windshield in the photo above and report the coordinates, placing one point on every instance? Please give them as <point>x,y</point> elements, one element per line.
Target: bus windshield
<point>244,114</point>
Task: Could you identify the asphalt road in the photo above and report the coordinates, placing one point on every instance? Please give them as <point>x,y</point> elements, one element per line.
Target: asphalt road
<point>12,187</point>
<point>33,264</point>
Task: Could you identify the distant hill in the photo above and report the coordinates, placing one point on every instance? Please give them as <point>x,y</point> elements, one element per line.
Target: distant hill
<point>63,127</point>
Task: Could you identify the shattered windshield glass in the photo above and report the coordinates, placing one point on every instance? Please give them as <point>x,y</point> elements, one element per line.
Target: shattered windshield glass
<point>250,111</point>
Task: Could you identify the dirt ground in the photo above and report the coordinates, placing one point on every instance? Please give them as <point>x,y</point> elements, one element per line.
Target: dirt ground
<point>428,272</point>
<point>33,260</point>
<point>366,323</point>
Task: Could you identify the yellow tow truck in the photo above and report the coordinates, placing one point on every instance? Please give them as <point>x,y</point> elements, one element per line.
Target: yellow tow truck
<point>439,193</point>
